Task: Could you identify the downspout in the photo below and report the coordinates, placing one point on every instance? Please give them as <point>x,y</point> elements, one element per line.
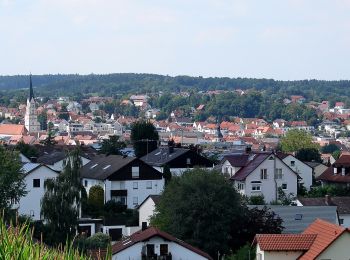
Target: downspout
<point>274,175</point>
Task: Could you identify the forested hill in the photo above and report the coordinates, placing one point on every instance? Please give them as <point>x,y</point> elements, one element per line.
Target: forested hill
<point>122,83</point>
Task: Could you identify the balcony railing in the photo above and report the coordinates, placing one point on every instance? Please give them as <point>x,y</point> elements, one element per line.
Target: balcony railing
<point>157,257</point>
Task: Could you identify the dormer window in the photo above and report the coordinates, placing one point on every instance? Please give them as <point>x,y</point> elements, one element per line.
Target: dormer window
<point>292,163</point>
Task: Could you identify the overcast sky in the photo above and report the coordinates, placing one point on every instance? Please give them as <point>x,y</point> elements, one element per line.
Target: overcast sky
<point>280,39</point>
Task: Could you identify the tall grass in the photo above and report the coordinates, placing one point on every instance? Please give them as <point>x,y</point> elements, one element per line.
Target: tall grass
<point>16,243</point>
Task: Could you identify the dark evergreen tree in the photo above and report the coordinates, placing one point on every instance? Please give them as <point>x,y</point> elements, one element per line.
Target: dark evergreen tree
<point>112,145</point>
<point>144,137</point>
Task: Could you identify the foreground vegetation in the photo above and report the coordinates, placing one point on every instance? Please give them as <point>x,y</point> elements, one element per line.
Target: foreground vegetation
<point>16,243</point>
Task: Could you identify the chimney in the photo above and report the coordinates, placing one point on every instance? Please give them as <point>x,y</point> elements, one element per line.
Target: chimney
<point>327,200</point>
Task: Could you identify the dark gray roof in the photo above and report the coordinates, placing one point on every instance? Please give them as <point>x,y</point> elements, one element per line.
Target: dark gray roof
<point>155,199</point>
<point>162,156</point>
<point>101,167</point>
<point>297,219</point>
<point>342,203</point>
<point>52,157</point>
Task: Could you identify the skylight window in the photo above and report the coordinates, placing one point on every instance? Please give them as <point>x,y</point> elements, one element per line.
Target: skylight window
<point>158,153</point>
<point>106,167</point>
<point>298,216</point>
<point>93,166</point>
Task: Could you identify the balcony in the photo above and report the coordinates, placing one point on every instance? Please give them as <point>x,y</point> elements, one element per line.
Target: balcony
<point>157,257</point>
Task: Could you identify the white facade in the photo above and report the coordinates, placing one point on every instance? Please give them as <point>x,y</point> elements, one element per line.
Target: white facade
<point>30,204</point>
<point>256,185</point>
<point>137,190</point>
<point>58,166</point>
<point>339,249</point>
<point>302,169</point>
<point>146,211</point>
<point>177,251</point>
<point>277,255</point>
<point>31,118</point>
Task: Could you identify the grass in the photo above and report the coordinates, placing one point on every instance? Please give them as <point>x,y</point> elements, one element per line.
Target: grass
<point>16,243</point>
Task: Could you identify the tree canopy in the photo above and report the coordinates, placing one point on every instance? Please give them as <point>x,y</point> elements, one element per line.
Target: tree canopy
<point>12,185</point>
<point>144,137</point>
<point>295,140</point>
<point>112,145</point>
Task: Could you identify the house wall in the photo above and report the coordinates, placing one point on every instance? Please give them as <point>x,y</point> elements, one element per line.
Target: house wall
<point>126,231</point>
<point>58,166</point>
<point>339,249</point>
<point>277,255</point>
<point>268,186</point>
<point>30,203</point>
<point>146,211</point>
<point>141,192</point>
<point>346,220</point>
<point>88,183</point>
<point>304,170</point>
<point>231,170</point>
<point>178,252</point>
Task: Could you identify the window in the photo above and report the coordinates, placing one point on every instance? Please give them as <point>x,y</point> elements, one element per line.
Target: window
<point>149,185</point>
<point>341,221</point>
<point>188,161</point>
<point>284,186</point>
<point>85,183</point>
<point>135,185</point>
<point>150,250</point>
<point>36,183</point>
<point>256,186</point>
<point>263,174</point>
<point>298,216</point>
<point>135,172</point>
<point>278,174</point>
<point>240,186</point>
<point>135,201</point>
<point>292,163</point>
<point>163,249</point>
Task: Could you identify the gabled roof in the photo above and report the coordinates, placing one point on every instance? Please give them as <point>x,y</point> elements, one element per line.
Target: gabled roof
<point>12,129</point>
<point>101,167</point>
<point>162,156</point>
<point>285,242</point>
<point>251,166</point>
<point>147,234</point>
<point>155,199</point>
<point>326,232</point>
<point>237,160</point>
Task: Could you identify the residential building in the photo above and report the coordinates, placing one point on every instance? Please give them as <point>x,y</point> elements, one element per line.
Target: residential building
<point>35,176</point>
<point>128,180</point>
<point>338,172</point>
<point>342,204</point>
<point>177,159</point>
<point>155,243</point>
<point>301,168</point>
<point>260,173</point>
<point>146,209</point>
<point>320,240</point>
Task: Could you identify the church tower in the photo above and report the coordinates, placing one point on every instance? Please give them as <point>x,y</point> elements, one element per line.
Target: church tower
<point>31,118</point>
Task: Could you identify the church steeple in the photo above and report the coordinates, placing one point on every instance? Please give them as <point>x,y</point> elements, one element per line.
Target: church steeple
<point>31,92</point>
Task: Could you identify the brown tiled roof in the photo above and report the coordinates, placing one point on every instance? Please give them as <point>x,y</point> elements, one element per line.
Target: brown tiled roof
<point>145,235</point>
<point>12,129</point>
<point>285,242</point>
<point>251,166</point>
<point>342,203</point>
<point>326,234</point>
<point>237,160</point>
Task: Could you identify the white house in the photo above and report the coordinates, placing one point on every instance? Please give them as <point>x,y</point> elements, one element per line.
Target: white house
<point>155,243</point>
<point>55,160</point>
<point>128,180</point>
<point>146,209</point>
<point>302,169</point>
<point>35,176</point>
<point>320,240</point>
<point>256,174</point>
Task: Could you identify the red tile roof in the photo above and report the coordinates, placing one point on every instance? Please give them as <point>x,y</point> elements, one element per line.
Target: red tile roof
<point>145,235</point>
<point>285,242</point>
<point>12,129</point>
<point>326,234</point>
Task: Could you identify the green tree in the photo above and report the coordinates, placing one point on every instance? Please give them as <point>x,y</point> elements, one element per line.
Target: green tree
<point>295,140</point>
<point>49,140</point>
<point>27,149</point>
<point>95,201</point>
<point>336,154</point>
<point>329,148</point>
<point>197,217</point>
<point>257,200</point>
<point>167,174</point>
<point>144,137</point>
<point>61,201</point>
<point>308,155</point>
<point>112,145</point>
<point>12,185</point>
<point>42,118</point>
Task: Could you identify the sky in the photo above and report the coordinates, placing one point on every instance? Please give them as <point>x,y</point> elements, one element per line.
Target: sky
<point>279,39</point>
